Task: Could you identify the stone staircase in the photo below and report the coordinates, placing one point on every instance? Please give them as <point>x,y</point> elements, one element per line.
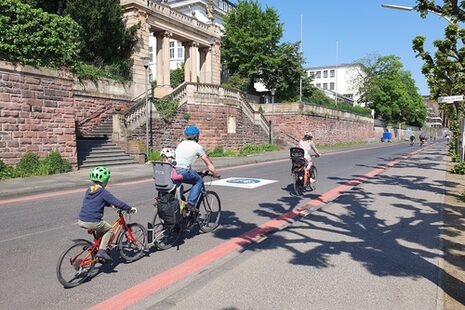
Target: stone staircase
<point>97,149</point>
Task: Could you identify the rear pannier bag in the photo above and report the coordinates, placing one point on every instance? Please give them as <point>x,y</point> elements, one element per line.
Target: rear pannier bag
<point>168,209</point>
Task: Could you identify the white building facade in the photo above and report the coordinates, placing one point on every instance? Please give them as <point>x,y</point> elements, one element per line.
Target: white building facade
<point>205,11</point>
<point>344,79</point>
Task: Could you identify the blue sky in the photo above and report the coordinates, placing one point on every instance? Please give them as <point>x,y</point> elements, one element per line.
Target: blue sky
<point>361,28</point>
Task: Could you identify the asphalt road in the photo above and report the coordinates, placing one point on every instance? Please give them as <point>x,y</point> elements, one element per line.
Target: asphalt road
<point>34,233</point>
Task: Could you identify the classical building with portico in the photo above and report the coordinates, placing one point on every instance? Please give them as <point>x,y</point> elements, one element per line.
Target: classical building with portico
<point>201,42</point>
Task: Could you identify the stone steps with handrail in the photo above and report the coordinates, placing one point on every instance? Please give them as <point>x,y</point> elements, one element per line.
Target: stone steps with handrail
<point>195,93</point>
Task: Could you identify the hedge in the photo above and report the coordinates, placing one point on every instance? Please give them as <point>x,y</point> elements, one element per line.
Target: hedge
<point>33,37</point>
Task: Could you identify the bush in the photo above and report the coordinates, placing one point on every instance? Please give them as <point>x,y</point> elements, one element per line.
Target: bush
<point>459,168</point>
<point>33,37</point>
<point>153,155</point>
<point>54,163</point>
<point>167,108</point>
<point>177,76</point>
<point>217,152</point>
<point>6,171</point>
<point>28,165</point>
<point>119,71</point>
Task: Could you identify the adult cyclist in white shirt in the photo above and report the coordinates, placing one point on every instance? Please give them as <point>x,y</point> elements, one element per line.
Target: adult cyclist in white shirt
<point>308,145</point>
<point>186,154</point>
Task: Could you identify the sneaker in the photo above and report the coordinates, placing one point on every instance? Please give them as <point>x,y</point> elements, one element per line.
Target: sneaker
<point>191,208</point>
<point>104,255</point>
<point>312,180</point>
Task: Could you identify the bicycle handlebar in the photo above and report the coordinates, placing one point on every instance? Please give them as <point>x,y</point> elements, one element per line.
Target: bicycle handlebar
<point>206,173</point>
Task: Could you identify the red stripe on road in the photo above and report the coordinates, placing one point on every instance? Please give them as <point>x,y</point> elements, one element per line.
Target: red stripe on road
<point>41,196</point>
<point>143,290</point>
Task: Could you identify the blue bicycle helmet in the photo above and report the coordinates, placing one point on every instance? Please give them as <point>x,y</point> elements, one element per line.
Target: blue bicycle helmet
<point>191,131</point>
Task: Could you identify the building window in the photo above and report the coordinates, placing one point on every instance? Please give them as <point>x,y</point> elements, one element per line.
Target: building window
<point>180,50</point>
<point>325,74</point>
<point>332,73</point>
<point>171,49</point>
<point>311,74</point>
<point>318,85</point>
<point>318,75</point>
<point>325,85</point>
<point>331,86</point>
<point>350,96</point>
<point>151,53</point>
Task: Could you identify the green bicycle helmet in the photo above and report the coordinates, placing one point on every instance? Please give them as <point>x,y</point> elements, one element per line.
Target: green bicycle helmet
<point>100,174</point>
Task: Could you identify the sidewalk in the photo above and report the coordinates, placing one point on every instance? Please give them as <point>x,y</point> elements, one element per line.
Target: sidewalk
<point>12,188</point>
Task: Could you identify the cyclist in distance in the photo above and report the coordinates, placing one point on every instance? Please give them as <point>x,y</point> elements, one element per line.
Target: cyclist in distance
<point>186,154</point>
<point>96,199</point>
<point>422,137</point>
<point>412,139</point>
<point>308,145</point>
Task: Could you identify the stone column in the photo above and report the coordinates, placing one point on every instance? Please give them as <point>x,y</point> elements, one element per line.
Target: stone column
<point>194,54</point>
<point>187,61</point>
<point>190,61</point>
<point>141,50</point>
<point>166,60</point>
<point>216,62</point>
<point>159,57</point>
<point>203,64</point>
<point>208,68</point>
<point>163,63</point>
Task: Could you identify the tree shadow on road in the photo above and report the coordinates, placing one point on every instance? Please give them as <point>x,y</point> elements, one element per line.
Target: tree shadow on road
<point>400,238</point>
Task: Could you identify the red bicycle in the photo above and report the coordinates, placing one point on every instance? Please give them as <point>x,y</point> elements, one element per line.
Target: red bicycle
<point>76,264</point>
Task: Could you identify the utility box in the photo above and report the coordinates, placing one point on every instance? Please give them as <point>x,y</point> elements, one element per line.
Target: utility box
<point>387,137</point>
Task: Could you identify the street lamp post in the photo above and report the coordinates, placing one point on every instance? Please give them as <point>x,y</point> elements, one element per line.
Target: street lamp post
<point>147,112</point>
<point>411,8</point>
<point>273,92</point>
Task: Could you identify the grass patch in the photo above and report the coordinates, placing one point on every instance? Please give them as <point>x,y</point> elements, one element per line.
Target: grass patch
<point>248,149</point>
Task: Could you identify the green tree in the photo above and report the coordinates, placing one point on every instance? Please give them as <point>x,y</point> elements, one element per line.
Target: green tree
<point>285,72</point>
<point>251,51</point>
<point>391,91</point>
<point>106,39</point>
<point>445,69</point>
<point>250,39</point>
<point>177,76</point>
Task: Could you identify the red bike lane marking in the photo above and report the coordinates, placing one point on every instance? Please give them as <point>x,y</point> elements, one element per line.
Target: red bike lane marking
<point>150,286</point>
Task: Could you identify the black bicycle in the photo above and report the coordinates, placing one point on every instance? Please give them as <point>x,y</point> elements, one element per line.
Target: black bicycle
<point>164,235</point>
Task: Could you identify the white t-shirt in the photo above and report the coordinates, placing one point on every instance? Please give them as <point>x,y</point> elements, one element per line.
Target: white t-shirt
<point>308,146</point>
<point>187,152</point>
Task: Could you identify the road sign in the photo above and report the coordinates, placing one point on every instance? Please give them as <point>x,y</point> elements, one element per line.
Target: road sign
<point>450,99</point>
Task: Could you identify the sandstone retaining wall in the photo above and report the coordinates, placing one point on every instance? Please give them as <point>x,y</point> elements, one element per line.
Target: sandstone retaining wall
<point>41,110</point>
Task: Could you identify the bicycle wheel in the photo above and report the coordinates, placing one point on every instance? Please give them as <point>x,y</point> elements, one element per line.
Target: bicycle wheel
<point>209,212</point>
<point>75,264</point>
<point>313,175</point>
<point>165,236</point>
<point>132,247</point>
<point>299,187</point>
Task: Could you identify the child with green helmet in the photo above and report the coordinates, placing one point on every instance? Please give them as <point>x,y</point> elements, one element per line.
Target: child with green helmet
<point>95,200</point>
